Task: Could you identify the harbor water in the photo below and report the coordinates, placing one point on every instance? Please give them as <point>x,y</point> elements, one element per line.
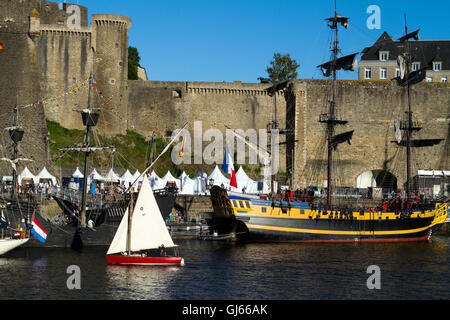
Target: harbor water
<point>234,271</point>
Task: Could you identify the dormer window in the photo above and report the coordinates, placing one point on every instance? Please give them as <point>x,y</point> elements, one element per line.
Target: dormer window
<point>384,55</point>
<point>415,66</point>
<point>437,66</point>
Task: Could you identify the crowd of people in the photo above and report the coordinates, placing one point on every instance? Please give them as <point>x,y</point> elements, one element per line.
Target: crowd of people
<point>28,188</point>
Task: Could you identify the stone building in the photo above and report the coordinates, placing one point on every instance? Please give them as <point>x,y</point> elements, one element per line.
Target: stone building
<point>50,48</point>
<point>379,62</point>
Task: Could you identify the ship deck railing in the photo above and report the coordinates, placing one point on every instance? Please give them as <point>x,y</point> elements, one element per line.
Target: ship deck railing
<point>75,196</point>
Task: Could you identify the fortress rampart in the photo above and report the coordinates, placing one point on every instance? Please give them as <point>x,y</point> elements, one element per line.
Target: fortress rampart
<point>45,56</point>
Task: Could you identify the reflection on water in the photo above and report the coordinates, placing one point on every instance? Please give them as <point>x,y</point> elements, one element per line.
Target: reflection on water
<point>232,271</point>
<point>140,282</point>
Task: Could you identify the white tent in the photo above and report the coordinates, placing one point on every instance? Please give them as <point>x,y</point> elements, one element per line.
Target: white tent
<point>243,181</point>
<point>95,175</point>
<point>26,174</point>
<point>199,183</point>
<point>111,176</point>
<point>126,178</point>
<point>186,184</point>
<point>217,178</point>
<point>263,187</point>
<point>44,174</point>
<point>169,177</point>
<point>77,174</point>
<point>136,175</point>
<point>155,181</point>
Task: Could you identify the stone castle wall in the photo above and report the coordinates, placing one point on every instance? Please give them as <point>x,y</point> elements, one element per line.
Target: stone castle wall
<point>19,84</point>
<point>164,106</point>
<point>370,108</point>
<point>44,57</point>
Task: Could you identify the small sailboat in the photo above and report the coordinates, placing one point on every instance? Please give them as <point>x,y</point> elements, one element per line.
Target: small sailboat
<point>142,237</point>
<point>7,245</point>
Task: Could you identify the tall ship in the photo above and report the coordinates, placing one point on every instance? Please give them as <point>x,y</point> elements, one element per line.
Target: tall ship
<point>75,227</point>
<point>325,218</point>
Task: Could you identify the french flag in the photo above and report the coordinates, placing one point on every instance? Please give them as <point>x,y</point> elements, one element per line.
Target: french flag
<point>228,167</point>
<point>38,231</point>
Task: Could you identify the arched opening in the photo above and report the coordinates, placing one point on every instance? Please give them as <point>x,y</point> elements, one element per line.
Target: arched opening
<point>377,179</point>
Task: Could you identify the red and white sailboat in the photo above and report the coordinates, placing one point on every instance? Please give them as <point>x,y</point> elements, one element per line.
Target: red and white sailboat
<point>142,237</point>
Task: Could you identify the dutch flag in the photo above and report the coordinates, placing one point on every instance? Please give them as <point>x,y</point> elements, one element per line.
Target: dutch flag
<point>38,231</point>
<point>228,167</point>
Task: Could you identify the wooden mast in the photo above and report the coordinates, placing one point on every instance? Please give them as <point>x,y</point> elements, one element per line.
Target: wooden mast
<point>331,111</point>
<point>409,122</point>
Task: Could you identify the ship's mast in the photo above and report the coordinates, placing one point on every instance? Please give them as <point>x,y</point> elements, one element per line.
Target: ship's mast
<point>90,118</point>
<point>16,136</point>
<point>409,122</point>
<point>330,127</point>
<point>348,63</point>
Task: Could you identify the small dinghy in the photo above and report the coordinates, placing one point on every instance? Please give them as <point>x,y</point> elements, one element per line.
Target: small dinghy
<point>142,237</point>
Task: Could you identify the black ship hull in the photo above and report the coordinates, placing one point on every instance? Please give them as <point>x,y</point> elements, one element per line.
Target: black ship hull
<point>256,219</point>
<point>262,229</point>
<point>105,223</point>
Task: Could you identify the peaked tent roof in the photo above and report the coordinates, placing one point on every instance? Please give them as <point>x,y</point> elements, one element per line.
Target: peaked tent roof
<point>77,174</point>
<point>112,176</point>
<point>44,174</point>
<point>218,177</point>
<point>186,184</point>
<point>95,175</point>
<point>155,181</point>
<point>127,177</point>
<point>136,175</point>
<point>26,174</point>
<point>170,177</point>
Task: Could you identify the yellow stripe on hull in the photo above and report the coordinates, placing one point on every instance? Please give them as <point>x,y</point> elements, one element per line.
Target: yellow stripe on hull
<point>355,233</point>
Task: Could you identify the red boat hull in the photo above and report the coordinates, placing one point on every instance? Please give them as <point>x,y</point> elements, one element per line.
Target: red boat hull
<point>144,261</point>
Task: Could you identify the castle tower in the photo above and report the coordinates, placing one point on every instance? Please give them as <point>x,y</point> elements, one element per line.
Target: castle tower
<point>19,22</point>
<point>111,68</point>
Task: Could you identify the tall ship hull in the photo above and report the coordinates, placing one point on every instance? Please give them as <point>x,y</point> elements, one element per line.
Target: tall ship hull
<point>255,219</point>
<point>65,232</point>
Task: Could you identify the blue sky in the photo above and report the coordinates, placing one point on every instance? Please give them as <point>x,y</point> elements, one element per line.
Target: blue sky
<point>217,40</point>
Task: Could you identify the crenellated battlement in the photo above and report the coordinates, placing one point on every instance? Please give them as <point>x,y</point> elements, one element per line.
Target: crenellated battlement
<point>112,20</point>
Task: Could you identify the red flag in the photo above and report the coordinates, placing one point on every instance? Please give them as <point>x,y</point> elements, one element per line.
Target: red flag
<point>228,167</point>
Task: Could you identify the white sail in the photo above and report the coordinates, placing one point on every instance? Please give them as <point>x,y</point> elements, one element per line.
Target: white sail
<point>148,229</point>
<point>119,243</point>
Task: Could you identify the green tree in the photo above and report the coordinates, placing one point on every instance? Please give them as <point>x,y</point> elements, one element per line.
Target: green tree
<point>133,63</point>
<point>282,68</point>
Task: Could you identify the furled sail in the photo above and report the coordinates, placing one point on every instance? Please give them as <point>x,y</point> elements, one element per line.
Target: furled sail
<point>397,131</point>
<point>340,138</point>
<point>412,35</point>
<point>349,63</point>
<point>401,62</point>
<point>412,78</point>
<point>420,142</point>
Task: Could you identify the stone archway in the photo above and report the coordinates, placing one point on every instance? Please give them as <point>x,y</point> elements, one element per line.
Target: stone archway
<point>376,179</point>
